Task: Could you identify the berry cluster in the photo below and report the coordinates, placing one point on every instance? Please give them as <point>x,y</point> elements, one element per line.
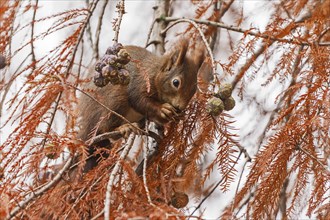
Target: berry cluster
<point>221,100</point>
<point>111,67</point>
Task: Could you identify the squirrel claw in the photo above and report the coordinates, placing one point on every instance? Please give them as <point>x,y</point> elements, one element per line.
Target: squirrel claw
<point>127,129</point>
<point>167,112</point>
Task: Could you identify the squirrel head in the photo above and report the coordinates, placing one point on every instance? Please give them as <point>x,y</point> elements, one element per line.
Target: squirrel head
<point>177,80</point>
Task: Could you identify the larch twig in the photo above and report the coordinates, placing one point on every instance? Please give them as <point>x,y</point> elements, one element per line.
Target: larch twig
<point>149,33</point>
<point>113,174</point>
<point>246,31</point>
<point>40,191</point>
<point>121,11</point>
<point>32,35</point>
<point>216,185</point>
<point>70,62</point>
<point>239,181</point>
<point>98,30</point>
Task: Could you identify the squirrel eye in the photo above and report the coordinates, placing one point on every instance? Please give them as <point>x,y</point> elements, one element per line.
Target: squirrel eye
<point>176,83</point>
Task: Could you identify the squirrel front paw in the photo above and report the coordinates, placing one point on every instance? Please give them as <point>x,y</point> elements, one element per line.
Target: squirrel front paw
<point>127,129</point>
<point>165,113</point>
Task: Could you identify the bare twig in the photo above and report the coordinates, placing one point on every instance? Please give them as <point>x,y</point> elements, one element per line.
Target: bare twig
<point>113,174</point>
<point>83,193</point>
<point>98,215</point>
<point>39,192</point>
<point>98,30</point>
<point>239,181</point>
<point>323,33</point>
<point>149,33</point>
<point>283,200</point>
<point>32,35</point>
<point>315,159</point>
<point>121,10</point>
<point>249,62</point>
<point>247,200</point>
<point>295,69</point>
<point>116,135</point>
<point>9,84</point>
<point>52,117</point>
<point>71,61</point>
<point>216,186</point>
<point>12,30</point>
<point>80,62</point>
<point>245,31</point>
<point>144,175</point>
<point>105,136</point>
<point>242,149</point>
<point>225,7</point>
<point>89,31</point>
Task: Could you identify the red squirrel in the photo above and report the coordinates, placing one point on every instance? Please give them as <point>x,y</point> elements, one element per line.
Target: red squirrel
<point>160,88</point>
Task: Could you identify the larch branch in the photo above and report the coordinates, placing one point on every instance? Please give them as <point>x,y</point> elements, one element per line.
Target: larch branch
<point>245,31</point>
<point>249,62</point>
<point>216,186</point>
<point>39,192</point>
<point>32,35</point>
<point>316,160</point>
<point>237,187</point>
<point>71,61</point>
<point>113,174</point>
<point>144,175</point>
<point>121,10</point>
<point>294,74</point>
<point>98,30</point>
<point>82,194</point>
<point>149,34</point>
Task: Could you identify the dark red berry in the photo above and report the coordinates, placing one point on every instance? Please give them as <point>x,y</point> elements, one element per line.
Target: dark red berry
<point>110,71</point>
<point>113,50</point>
<point>123,57</point>
<point>109,59</point>
<point>99,66</point>
<point>100,80</point>
<point>124,76</point>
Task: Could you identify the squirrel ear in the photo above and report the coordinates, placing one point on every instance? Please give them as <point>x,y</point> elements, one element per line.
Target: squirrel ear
<point>176,57</point>
<point>205,72</point>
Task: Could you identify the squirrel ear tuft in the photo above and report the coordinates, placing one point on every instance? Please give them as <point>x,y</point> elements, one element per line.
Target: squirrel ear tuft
<point>177,56</point>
